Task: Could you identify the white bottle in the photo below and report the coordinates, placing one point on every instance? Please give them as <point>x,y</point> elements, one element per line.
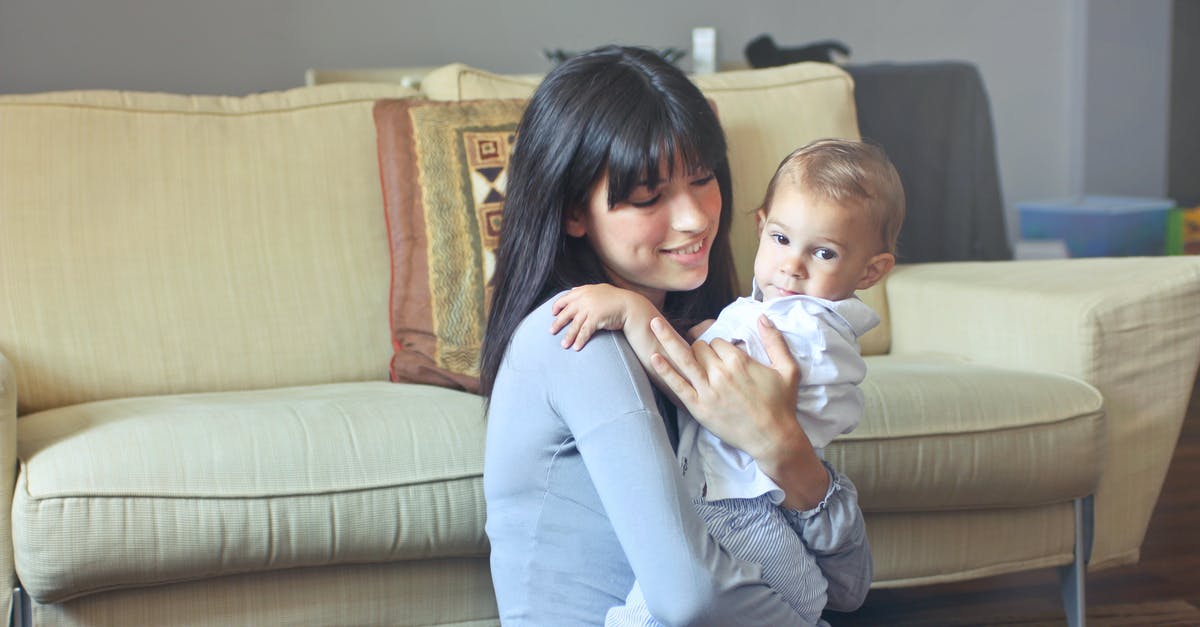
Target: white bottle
<point>704,50</point>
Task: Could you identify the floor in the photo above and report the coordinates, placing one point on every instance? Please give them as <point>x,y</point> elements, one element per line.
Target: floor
<point>1169,569</point>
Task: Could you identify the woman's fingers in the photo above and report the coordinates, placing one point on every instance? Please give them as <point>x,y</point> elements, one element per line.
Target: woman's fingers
<point>781,358</point>
<point>676,351</point>
<point>727,352</point>
<point>673,380</point>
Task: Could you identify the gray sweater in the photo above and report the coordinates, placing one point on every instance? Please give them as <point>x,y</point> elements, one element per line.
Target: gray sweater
<point>583,493</point>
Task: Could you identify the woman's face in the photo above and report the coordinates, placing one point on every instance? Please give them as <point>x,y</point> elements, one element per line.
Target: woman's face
<point>657,240</point>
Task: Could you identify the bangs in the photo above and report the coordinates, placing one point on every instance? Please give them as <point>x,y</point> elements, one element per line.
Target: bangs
<point>688,140</point>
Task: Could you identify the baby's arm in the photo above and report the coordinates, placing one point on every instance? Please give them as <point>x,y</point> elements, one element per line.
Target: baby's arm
<point>590,308</point>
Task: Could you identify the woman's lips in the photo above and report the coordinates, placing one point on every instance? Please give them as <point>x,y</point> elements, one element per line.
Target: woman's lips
<point>689,253</point>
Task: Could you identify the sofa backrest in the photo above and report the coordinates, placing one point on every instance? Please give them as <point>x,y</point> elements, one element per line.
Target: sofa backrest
<point>765,113</point>
<point>154,243</point>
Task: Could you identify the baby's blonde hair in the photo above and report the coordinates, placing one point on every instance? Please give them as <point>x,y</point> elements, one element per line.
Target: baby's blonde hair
<point>850,173</point>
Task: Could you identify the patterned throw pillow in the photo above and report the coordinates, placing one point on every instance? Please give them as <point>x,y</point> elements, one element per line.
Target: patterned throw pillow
<point>442,166</point>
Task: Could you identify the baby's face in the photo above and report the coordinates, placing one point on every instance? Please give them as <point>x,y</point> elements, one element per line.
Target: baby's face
<point>814,246</point>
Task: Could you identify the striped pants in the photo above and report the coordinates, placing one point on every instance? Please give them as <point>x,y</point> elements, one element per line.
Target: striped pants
<point>755,531</point>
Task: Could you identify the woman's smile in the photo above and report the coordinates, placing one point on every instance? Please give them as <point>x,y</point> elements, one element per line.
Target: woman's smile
<point>690,254</point>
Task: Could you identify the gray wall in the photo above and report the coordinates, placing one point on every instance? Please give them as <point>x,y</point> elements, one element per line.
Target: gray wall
<point>1078,87</point>
<point>1126,97</point>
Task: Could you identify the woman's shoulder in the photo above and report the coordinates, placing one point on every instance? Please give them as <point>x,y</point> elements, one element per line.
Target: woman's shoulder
<point>535,327</point>
<point>532,343</point>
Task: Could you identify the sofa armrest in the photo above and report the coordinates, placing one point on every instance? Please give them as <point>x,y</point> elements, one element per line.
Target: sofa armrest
<point>8,477</point>
<point>1128,326</point>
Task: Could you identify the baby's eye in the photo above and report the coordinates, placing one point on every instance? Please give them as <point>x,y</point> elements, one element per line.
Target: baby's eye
<point>781,239</point>
<point>825,254</point>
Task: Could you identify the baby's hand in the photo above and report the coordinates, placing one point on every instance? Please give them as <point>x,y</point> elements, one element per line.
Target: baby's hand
<point>591,308</point>
<point>695,332</point>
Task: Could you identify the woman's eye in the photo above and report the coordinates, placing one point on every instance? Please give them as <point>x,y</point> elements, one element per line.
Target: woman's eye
<point>825,254</point>
<point>781,239</point>
<point>704,180</point>
<point>648,202</point>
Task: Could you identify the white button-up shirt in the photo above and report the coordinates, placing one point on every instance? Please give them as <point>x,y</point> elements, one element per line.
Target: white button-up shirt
<point>823,337</point>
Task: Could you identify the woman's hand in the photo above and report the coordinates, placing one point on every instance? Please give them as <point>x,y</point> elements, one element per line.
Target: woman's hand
<point>747,404</point>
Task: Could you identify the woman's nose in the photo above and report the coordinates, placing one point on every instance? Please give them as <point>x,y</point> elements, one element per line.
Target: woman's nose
<point>687,214</point>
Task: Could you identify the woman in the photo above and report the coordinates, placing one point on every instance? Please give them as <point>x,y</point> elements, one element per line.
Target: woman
<point>619,175</point>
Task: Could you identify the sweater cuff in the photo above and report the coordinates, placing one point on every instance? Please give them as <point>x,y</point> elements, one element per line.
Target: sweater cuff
<point>835,486</point>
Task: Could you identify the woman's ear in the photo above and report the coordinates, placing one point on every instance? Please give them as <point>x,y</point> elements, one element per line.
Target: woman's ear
<point>876,269</point>
<point>576,222</point>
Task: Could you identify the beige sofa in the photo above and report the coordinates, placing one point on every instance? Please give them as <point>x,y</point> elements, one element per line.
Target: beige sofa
<point>197,427</point>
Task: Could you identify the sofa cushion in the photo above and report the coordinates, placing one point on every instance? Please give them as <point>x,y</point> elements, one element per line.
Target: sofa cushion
<point>943,434</point>
<point>765,113</point>
<point>163,244</point>
<point>443,170</point>
<point>149,490</point>
<point>452,592</point>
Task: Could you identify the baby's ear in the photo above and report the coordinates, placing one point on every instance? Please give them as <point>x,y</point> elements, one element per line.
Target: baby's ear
<point>876,269</point>
<point>760,218</point>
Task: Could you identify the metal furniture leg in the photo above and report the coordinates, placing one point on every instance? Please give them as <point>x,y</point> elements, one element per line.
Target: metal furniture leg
<point>1073,576</point>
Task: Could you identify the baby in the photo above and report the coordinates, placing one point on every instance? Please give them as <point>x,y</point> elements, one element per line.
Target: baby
<point>828,226</point>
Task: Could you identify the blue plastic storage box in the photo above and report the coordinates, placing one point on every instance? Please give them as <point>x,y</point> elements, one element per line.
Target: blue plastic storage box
<point>1100,226</point>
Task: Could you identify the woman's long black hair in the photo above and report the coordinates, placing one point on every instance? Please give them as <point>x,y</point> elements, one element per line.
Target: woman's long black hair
<point>618,110</point>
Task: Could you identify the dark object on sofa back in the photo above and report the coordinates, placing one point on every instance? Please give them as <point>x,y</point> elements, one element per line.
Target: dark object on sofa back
<point>935,122</point>
<point>762,51</point>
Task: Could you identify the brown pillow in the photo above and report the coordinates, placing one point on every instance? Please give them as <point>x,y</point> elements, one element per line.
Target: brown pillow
<point>442,166</point>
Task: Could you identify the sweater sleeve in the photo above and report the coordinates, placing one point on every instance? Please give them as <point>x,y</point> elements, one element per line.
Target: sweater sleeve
<point>605,398</point>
